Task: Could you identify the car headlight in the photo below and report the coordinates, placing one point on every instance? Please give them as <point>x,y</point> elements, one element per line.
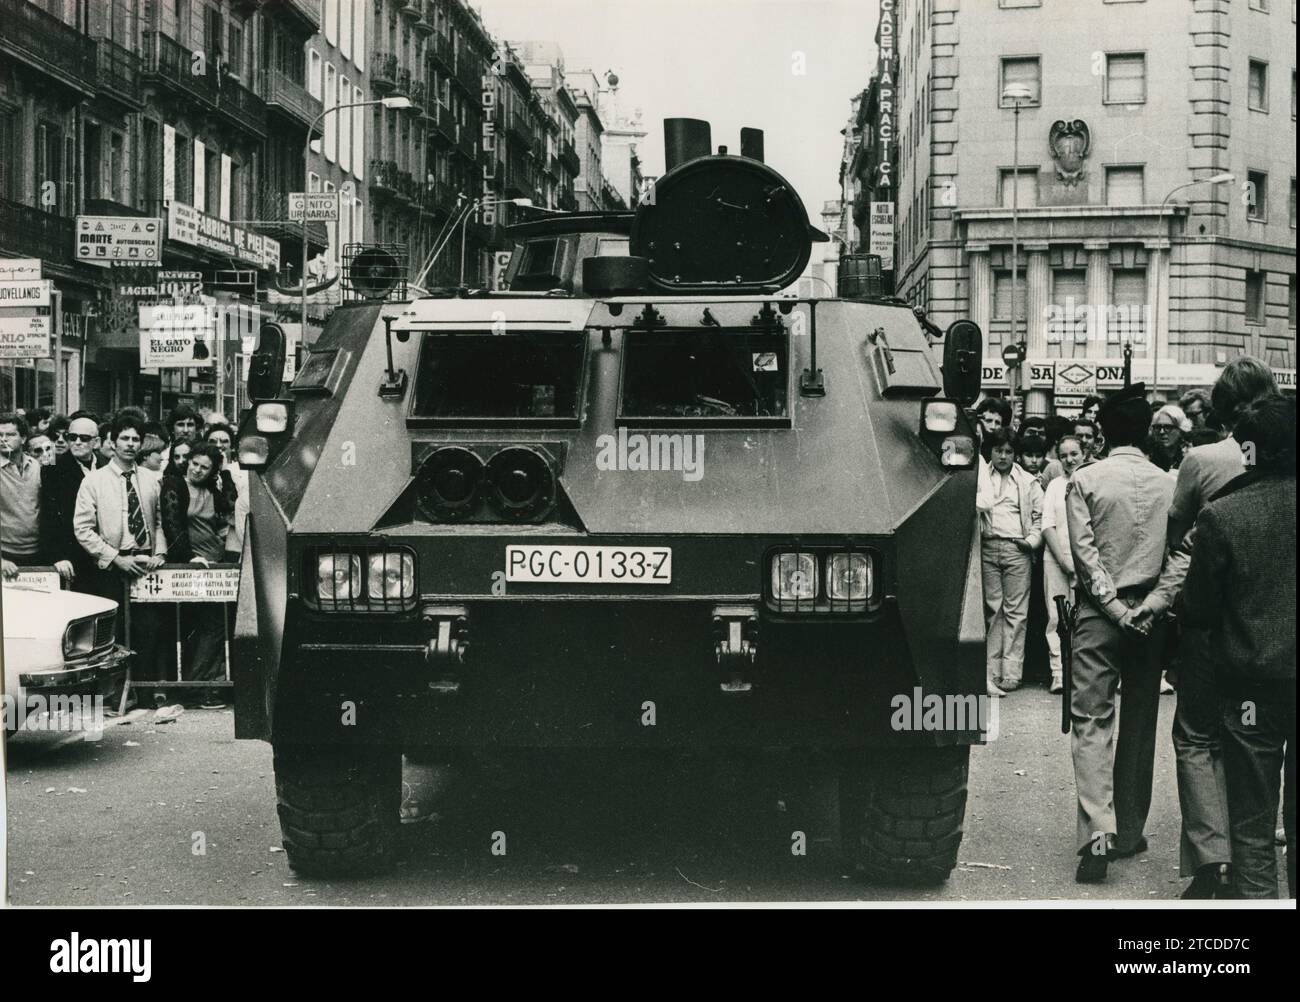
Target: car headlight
<point>79,638</point>
<point>338,577</point>
<point>794,577</point>
<point>392,576</point>
<point>272,418</point>
<point>940,415</point>
<point>848,577</point>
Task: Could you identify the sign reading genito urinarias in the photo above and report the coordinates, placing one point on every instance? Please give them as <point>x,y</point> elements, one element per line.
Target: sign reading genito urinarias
<point>187,225</point>
<point>188,583</point>
<point>106,240</point>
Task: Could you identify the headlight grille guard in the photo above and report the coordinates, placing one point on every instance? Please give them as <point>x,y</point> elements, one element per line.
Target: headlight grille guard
<point>822,604</point>
<point>360,600</point>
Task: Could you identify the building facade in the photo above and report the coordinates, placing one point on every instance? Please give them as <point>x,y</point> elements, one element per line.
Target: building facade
<point>1124,102</point>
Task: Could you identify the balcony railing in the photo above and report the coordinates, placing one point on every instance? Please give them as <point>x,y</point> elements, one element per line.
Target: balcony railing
<point>173,64</point>
<point>383,70</point>
<point>45,42</point>
<point>291,98</point>
<point>569,158</point>
<point>517,124</point>
<point>308,10</point>
<point>404,81</point>
<point>427,12</point>
<point>553,166</point>
<point>34,233</point>
<point>407,187</point>
<point>469,70</point>
<point>383,176</point>
<point>467,142</point>
<point>119,72</point>
<point>419,94</point>
<point>411,8</point>
<point>443,50</point>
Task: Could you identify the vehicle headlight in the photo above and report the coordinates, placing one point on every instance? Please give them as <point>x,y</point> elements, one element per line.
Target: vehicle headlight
<point>338,577</point>
<point>848,577</point>
<point>392,576</point>
<point>794,577</point>
<point>254,451</point>
<point>272,418</point>
<point>940,415</point>
<point>958,450</point>
<point>79,638</point>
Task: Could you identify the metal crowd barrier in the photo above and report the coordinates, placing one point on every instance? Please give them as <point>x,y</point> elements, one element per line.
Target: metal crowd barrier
<point>174,584</point>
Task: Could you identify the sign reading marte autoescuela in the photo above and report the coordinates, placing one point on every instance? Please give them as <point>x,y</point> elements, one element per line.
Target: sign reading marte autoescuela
<point>194,583</point>
<point>106,240</point>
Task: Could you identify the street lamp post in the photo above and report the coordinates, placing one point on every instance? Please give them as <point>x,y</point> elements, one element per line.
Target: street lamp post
<point>1155,348</point>
<point>393,104</point>
<point>1015,94</point>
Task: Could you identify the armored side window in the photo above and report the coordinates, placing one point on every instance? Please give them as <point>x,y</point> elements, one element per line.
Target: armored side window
<point>484,379</point>
<point>698,377</point>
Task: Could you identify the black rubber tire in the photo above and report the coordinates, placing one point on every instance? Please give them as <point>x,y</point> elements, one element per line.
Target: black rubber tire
<point>902,814</point>
<point>339,807</point>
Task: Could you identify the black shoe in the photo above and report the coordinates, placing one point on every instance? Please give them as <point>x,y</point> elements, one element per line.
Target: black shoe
<point>1214,880</point>
<point>1141,846</point>
<point>1092,869</point>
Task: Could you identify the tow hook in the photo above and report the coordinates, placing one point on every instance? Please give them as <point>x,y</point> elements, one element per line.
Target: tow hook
<point>444,652</point>
<point>735,628</point>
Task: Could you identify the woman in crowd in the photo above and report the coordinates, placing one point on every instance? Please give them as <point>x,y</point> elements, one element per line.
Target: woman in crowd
<point>196,516</point>
<point>1058,562</point>
<point>1168,430</point>
<point>235,483</point>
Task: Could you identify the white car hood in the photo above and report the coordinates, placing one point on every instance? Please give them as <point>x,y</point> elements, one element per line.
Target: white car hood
<point>30,614</point>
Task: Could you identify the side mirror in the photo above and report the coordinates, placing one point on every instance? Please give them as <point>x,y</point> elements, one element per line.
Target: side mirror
<point>266,367</point>
<point>963,349</point>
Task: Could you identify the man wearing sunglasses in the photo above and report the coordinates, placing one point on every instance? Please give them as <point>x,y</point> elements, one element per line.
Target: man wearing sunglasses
<point>59,486</point>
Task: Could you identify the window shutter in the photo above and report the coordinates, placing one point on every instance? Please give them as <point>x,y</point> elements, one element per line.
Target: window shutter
<point>1126,79</point>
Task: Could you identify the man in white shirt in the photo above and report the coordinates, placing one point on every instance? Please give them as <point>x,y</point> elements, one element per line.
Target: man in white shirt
<point>1058,563</point>
<point>1010,504</point>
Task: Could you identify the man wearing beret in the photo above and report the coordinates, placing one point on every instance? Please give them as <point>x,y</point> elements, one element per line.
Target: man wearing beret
<point>1127,578</point>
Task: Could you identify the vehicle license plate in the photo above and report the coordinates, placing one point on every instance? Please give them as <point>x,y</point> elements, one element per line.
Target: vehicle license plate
<point>644,565</point>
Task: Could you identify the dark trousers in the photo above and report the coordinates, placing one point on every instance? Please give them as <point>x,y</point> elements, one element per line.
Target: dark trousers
<point>1198,755</point>
<point>1258,743</point>
<point>203,640</point>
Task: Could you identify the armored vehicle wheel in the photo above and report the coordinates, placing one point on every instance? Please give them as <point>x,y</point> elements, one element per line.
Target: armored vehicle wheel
<point>902,812</point>
<point>338,807</point>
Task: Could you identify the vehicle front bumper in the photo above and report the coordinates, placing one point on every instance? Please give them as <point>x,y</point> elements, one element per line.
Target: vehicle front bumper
<point>88,676</point>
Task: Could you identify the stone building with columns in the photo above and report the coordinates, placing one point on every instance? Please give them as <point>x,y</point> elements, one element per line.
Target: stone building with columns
<point>1129,100</point>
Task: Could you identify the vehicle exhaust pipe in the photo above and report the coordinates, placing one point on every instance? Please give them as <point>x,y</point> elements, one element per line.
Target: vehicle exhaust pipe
<point>685,139</point>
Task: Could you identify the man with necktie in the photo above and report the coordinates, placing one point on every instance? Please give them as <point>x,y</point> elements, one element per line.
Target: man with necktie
<point>118,523</point>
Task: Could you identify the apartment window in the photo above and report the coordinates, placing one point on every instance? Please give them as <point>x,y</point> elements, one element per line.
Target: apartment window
<point>1257,96</point>
<point>1254,297</point>
<point>92,166</point>
<point>1024,70</point>
<point>345,125</point>
<point>1290,301</point>
<point>1023,186</point>
<point>212,176</point>
<point>1124,186</point>
<point>331,16</point>
<point>313,73</point>
<point>359,32</point>
<point>235,50</point>
<point>1009,4</point>
<point>1126,78</point>
<point>1002,296</point>
<point>1069,293</point>
<point>313,181</point>
<point>117,167</point>
<point>239,208</point>
<point>358,222</point>
<point>345,29</point>
<point>332,255</point>
<point>153,159</point>
<point>1291,204</point>
<point>358,135</point>
<point>331,121</point>
<point>10,130</point>
<point>184,170</point>
<point>200,177</point>
<point>1257,195</point>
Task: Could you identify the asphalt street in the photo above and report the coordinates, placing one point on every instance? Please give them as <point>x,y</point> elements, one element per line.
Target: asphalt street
<point>181,813</point>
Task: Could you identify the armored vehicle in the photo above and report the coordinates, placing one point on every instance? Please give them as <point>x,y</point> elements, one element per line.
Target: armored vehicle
<point>640,499</point>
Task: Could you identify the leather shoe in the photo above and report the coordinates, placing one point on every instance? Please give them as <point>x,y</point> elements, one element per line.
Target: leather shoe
<point>1214,880</point>
<point>1092,868</point>
<point>1139,846</point>
<point>1057,684</point>
<point>993,690</point>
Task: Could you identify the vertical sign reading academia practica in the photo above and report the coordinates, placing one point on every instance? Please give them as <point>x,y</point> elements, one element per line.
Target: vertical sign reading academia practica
<point>881,228</point>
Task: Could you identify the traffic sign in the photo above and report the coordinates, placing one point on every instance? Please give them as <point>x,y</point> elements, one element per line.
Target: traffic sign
<point>106,240</point>
<point>320,206</point>
<point>1013,355</point>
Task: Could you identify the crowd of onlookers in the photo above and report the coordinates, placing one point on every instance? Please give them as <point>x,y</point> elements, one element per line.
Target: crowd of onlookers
<point>1170,531</point>
<point>105,501</point>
